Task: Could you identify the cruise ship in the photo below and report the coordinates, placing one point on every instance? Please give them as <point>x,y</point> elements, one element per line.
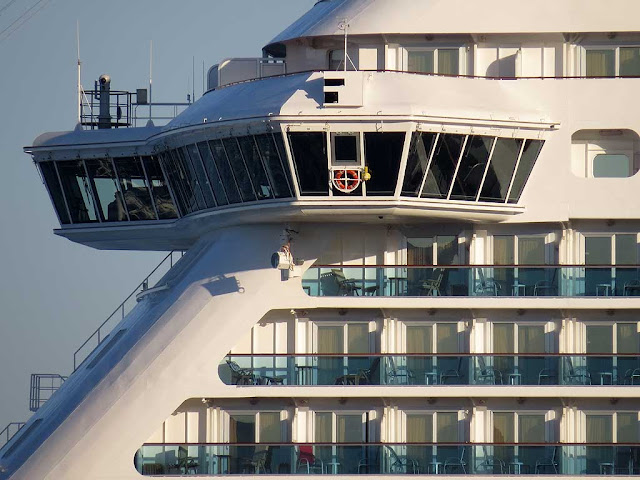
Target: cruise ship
<point>410,235</point>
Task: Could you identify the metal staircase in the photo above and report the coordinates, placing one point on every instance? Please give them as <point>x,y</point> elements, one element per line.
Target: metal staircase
<point>100,334</point>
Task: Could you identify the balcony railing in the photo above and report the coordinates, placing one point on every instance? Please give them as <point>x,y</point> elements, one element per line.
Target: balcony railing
<point>473,280</point>
<point>376,459</point>
<point>431,369</point>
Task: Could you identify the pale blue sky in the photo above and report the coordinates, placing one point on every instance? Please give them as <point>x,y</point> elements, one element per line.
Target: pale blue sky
<point>54,293</point>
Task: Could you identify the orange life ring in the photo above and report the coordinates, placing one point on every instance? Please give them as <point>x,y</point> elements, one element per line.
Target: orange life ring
<point>350,182</point>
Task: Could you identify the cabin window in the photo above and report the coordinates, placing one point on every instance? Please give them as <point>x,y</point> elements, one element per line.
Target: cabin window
<point>336,60</point>
<point>607,153</point>
<point>612,61</point>
<point>383,152</point>
<point>50,175</point>
<point>309,151</point>
<point>611,166</point>
<point>442,61</point>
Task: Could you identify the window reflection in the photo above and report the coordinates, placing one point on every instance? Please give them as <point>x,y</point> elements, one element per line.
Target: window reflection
<point>501,169</point>
<point>191,178</point>
<point>161,195</point>
<point>383,152</point>
<point>309,150</point>
<point>417,162</point>
<point>257,172</point>
<point>212,173</point>
<point>53,185</point>
<point>105,186</point>
<point>201,176</point>
<point>77,192</point>
<point>472,168</point>
<point>225,171</point>
<point>135,189</point>
<point>239,169</point>
<point>274,166</point>
<point>528,159</point>
<point>443,166</point>
<point>176,177</point>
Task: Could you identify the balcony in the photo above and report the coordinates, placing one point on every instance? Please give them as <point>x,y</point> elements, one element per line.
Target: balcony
<point>473,280</point>
<point>431,369</point>
<point>389,459</point>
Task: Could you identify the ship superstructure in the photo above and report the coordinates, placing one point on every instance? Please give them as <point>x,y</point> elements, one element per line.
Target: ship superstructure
<point>414,255</point>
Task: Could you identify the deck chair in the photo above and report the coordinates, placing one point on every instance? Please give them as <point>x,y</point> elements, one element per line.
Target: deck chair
<point>547,462</point>
<point>307,461</point>
<point>240,376</point>
<point>487,374</point>
<point>576,375</point>
<point>456,463</point>
<point>431,287</point>
<point>398,376</point>
<point>346,287</point>
<point>453,372</point>
<point>401,464</point>
<point>368,376</point>
<point>486,286</point>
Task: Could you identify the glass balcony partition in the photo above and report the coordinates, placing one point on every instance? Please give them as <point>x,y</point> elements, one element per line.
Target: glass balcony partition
<point>473,280</point>
<point>431,369</point>
<point>508,458</point>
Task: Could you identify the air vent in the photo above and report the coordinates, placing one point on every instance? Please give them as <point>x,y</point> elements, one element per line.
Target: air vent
<point>334,82</point>
<point>343,89</point>
<point>331,97</point>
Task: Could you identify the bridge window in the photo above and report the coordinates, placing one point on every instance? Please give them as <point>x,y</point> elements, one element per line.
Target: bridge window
<point>383,152</point>
<point>309,151</point>
<point>277,169</point>
<point>50,176</point>
<point>472,168</point>
<point>443,166</point>
<point>501,170</point>
<point>162,197</point>
<point>108,196</point>
<point>239,169</point>
<point>226,173</point>
<point>77,191</point>
<point>135,189</point>
<point>253,161</point>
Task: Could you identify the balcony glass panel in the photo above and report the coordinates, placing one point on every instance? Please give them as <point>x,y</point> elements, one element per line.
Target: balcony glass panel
<point>417,162</point>
<point>50,176</point>
<point>309,151</point>
<point>257,173</point>
<point>527,161</point>
<point>77,191</point>
<point>226,173</point>
<point>274,165</point>
<point>239,169</point>
<point>472,168</point>
<point>443,166</point>
<point>383,152</point>
<point>161,195</point>
<point>212,174</point>
<point>501,170</point>
<point>135,189</point>
<point>366,458</point>
<point>200,175</point>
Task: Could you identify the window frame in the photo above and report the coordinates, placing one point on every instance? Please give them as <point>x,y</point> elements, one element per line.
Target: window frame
<point>616,62</point>
<point>404,58</point>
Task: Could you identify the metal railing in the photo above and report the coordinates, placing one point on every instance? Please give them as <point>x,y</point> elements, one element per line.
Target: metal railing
<point>43,386</point>
<point>432,369</point>
<point>370,458</point>
<point>100,334</point>
<point>9,431</point>
<point>473,280</point>
<point>125,111</point>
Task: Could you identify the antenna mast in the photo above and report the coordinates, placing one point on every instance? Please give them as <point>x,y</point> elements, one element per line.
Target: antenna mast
<point>344,25</point>
<point>80,90</point>
<point>150,76</point>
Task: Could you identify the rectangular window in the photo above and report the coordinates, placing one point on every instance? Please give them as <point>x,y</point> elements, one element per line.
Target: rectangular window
<point>501,169</point>
<point>50,176</point>
<point>629,61</point>
<point>77,191</point>
<point>611,166</point>
<point>421,61</point>
<point>275,167</point>
<point>531,250</point>
<point>383,152</point>
<point>239,169</point>
<point>161,195</point>
<point>448,61</point>
<point>420,251</point>
<point>212,173</point>
<point>253,160</point>
<point>447,337</point>
<point>443,166</point>
<point>191,178</point>
<point>601,63</point>
<point>309,150</point>
<point>105,187</point>
<point>226,173</point>
<point>472,168</point>
<point>270,430</point>
<point>345,148</point>
<point>504,250</point>
<point>417,162</point>
<point>179,176</point>
<point>597,250</point>
<point>135,189</point>
<point>200,175</point>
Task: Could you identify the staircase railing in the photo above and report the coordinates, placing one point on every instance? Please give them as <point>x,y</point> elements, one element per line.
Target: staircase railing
<point>100,334</point>
<point>9,431</point>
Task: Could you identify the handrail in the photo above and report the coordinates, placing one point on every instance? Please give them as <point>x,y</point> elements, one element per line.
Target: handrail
<point>43,386</point>
<point>6,432</point>
<point>431,354</point>
<point>122,310</point>
<point>483,265</point>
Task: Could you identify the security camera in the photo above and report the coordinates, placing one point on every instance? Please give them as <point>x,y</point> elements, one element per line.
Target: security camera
<point>281,260</point>
<point>105,79</point>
